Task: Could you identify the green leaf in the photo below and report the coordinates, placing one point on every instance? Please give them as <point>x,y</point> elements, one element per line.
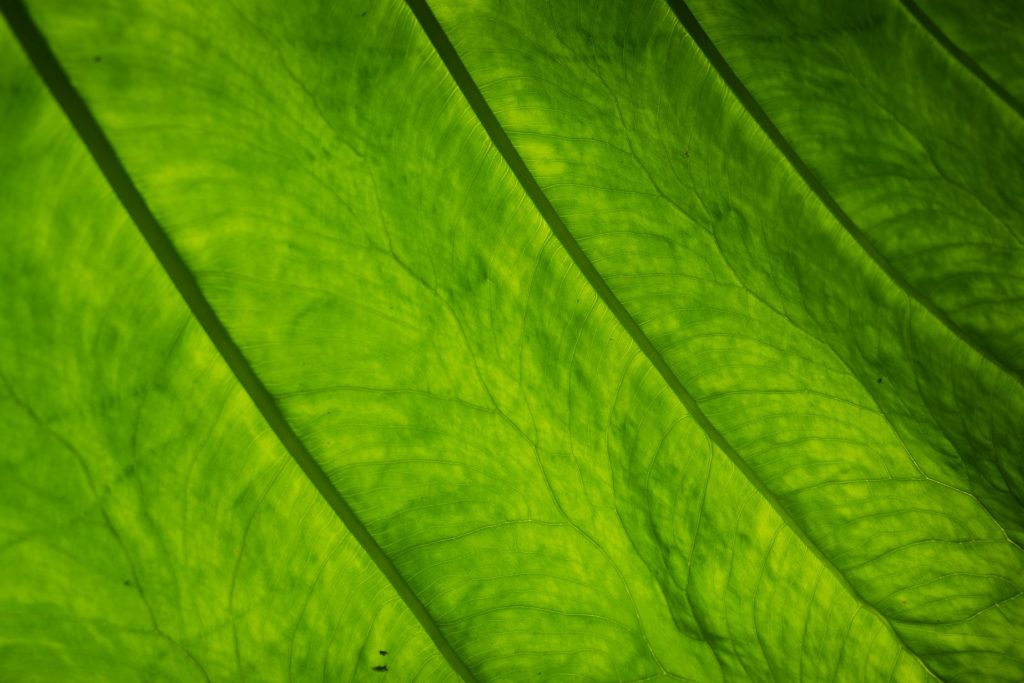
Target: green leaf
<point>517,341</point>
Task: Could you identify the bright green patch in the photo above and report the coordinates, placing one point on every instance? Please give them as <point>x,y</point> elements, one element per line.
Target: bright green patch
<point>621,341</point>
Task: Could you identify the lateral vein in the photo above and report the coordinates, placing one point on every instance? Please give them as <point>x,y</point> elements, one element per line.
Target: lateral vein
<point>91,133</point>
<point>693,27</point>
<point>499,137</point>
<point>960,56</point>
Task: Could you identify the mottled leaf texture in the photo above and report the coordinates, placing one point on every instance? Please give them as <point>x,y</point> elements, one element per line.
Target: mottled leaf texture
<point>514,341</point>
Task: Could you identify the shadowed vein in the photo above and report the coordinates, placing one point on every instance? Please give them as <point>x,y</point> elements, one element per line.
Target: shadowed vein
<point>962,57</point>
<point>102,151</point>
<point>499,137</point>
<point>689,21</point>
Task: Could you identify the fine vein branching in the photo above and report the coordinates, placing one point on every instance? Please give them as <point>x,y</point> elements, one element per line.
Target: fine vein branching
<point>460,74</point>
<point>732,80</point>
<point>102,151</point>
<point>965,59</point>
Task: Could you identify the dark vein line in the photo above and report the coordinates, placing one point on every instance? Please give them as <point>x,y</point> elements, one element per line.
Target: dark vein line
<point>102,151</point>
<point>460,74</point>
<point>735,85</point>
<point>962,57</point>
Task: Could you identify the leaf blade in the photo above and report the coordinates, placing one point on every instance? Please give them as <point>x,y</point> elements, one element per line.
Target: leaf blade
<point>146,505</point>
<point>794,371</point>
<point>553,449</point>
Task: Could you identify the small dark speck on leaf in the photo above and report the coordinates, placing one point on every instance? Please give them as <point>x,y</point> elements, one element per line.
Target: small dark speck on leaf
<point>97,58</point>
<point>363,14</point>
<point>127,582</point>
<point>382,668</point>
<point>879,380</point>
<point>383,653</point>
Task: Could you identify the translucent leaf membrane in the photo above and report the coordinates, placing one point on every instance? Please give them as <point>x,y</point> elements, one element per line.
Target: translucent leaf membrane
<point>985,37</point>
<point>891,441</point>
<point>151,526</point>
<point>920,152</point>
<point>796,492</point>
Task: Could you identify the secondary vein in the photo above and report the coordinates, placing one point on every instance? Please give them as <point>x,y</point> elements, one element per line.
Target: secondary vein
<point>690,22</point>
<point>962,57</point>
<point>92,135</point>
<point>499,137</point>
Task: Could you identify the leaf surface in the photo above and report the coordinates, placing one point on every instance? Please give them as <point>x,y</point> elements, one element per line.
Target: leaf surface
<point>605,379</point>
<point>915,142</point>
<point>984,38</point>
<point>152,528</point>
